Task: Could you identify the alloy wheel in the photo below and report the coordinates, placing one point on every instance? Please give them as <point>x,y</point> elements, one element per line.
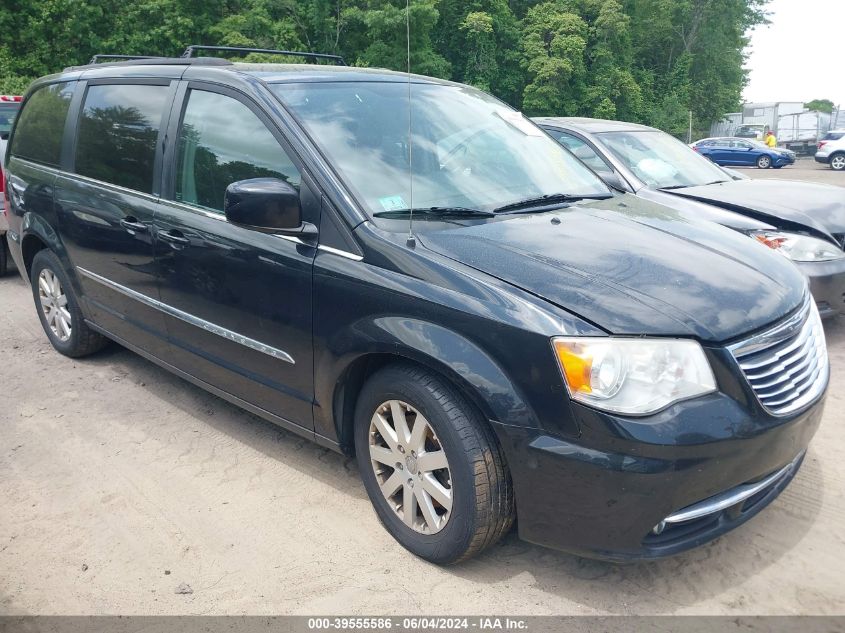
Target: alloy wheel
<point>838,163</point>
<point>54,305</point>
<point>410,466</point>
<point>764,162</point>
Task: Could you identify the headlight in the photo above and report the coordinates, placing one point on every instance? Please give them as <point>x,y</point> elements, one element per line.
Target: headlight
<point>633,376</point>
<point>799,248</point>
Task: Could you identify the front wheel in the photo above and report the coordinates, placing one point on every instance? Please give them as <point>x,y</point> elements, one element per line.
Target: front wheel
<point>58,308</point>
<point>431,465</point>
<point>764,162</point>
<point>837,162</point>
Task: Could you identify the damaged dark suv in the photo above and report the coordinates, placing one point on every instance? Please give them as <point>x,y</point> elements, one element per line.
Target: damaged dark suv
<point>446,292</point>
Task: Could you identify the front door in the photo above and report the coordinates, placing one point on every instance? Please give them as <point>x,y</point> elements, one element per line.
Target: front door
<point>237,302</point>
<point>743,153</point>
<point>106,211</point>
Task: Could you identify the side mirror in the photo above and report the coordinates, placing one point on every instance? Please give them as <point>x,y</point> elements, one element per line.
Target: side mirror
<point>612,180</point>
<point>268,205</point>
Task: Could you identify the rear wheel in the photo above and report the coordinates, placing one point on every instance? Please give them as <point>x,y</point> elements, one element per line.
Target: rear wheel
<point>431,465</point>
<point>58,308</point>
<point>764,162</point>
<point>837,162</point>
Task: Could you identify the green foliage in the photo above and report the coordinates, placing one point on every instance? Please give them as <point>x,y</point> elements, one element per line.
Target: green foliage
<point>820,105</point>
<point>650,61</point>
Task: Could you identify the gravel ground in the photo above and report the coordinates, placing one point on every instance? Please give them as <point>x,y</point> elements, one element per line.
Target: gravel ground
<point>126,490</point>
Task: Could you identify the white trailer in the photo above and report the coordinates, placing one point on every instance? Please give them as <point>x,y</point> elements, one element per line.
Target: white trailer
<point>801,131</point>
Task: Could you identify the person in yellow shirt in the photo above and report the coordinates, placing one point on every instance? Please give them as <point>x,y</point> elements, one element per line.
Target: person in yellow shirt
<point>770,139</point>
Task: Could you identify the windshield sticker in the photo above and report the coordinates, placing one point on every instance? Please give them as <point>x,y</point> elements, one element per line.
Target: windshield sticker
<point>517,120</point>
<point>392,203</point>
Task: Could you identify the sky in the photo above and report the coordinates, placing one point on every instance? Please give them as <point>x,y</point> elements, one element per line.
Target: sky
<point>799,56</point>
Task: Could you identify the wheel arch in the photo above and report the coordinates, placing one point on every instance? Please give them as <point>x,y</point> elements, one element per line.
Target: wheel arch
<point>448,354</point>
<point>37,234</point>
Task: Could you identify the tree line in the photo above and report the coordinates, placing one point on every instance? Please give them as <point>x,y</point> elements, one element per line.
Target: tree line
<point>649,61</point>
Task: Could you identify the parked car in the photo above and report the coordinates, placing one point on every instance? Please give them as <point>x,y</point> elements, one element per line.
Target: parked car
<point>9,106</point>
<point>831,150</point>
<point>739,152</point>
<point>803,221</point>
<point>488,327</point>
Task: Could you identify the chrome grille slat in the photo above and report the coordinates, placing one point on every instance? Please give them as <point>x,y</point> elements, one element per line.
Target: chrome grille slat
<point>787,366</point>
<point>780,354</point>
<point>791,374</point>
<point>796,390</point>
<point>781,366</point>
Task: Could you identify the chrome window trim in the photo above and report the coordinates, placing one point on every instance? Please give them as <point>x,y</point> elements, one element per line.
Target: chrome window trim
<point>190,319</point>
<point>92,181</point>
<point>219,216</point>
<point>182,205</point>
<point>340,253</point>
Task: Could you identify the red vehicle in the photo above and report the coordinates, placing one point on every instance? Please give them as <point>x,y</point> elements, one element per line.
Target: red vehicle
<point>9,106</point>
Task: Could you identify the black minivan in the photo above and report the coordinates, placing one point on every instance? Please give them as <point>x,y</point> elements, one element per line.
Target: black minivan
<point>407,269</point>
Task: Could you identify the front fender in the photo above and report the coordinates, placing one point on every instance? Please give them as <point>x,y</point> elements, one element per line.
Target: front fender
<point>449,353</point>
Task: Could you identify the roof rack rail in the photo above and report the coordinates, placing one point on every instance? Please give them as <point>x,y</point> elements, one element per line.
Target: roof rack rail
<point>336,59</point>
<point>96,59</point>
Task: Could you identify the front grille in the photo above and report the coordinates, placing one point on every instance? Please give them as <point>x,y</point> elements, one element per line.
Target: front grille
<point>787,366</point>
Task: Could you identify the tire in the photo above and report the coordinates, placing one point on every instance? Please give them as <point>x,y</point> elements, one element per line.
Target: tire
<point>77,339</point>
<point>764,162</point>
<point>476,476</point>
<point>837,162</point>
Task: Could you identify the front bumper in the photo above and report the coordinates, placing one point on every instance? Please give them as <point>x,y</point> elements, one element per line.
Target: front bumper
<point>603,493</point>
<point>782,161</point>
<point>827,285</point>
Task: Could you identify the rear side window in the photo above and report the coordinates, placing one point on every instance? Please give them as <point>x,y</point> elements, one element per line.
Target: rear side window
<point>38,135</point>
<point>833,136</point>
<point>117,134</point>
<point>222,141</point>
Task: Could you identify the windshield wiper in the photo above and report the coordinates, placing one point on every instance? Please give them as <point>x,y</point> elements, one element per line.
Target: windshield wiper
<point>435,212</point>
<point>549,199</point>
<point>669,188</point>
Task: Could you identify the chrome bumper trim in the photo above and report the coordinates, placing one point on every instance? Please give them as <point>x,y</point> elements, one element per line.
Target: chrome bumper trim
<point>730,497</point>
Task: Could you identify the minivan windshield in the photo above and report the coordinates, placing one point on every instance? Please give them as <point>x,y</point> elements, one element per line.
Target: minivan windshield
<point>662,161</point>
<point>469,150</point>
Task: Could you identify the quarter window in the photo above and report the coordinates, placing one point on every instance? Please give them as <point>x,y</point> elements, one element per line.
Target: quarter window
<point>118,132</point>
<point>222,141</point>
<point>38,135</point>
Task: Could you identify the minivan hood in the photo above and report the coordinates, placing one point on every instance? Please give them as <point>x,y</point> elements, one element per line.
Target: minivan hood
<point>633,267</point>
<point>821,207</point>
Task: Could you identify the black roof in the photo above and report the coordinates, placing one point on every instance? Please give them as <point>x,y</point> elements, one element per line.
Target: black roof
<point>268,72</point>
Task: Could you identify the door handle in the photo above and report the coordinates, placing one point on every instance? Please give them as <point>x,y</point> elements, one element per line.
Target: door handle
<point>174,238</point>
<point>132,225</point>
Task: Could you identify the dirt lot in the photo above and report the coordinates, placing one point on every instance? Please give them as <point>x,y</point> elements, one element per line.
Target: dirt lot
<point>120,482</point>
